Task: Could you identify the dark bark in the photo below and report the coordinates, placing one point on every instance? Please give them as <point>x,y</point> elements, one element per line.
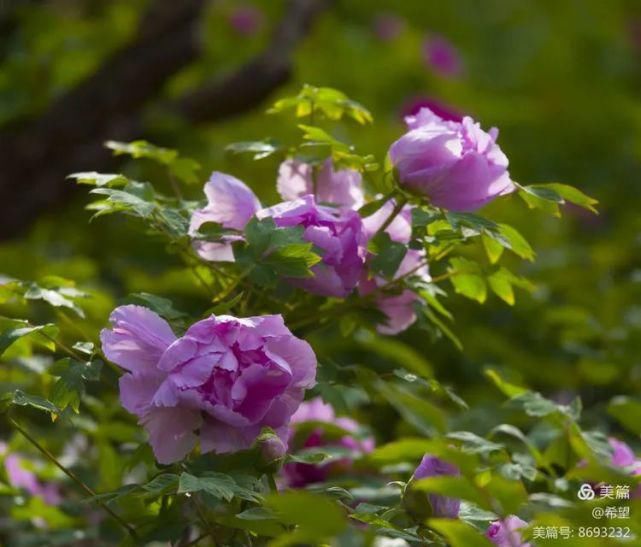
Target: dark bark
<point>37,155</point>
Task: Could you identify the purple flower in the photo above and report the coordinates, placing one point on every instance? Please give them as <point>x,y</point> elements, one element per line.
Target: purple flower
<point>398,307</point>
<point>388,26</point>
<point>339,236</point>
<point>20,476</point>
<point>298,475</point>
<point>441,55</point>
<point>246,20</point>
<point>504,533</point>
<point>221,383</point>
<point>442,506</point>
<point>337,233</point>
<point>230,203</point>
<point>622,454</point>
<point>457,165</point>
<point>342,188</point>
<point>444,111</point>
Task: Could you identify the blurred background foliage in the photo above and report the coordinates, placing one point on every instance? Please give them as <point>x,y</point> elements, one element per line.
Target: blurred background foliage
<point>561,79</point>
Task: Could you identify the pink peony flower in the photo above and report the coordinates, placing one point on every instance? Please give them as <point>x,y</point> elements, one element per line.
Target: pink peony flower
<point>622,454</point>
<point>457,165</point>
<point>504,533</point>
<point>298,475</point>
<point>232,204</point>
<point>335,232</point>
<point>442,56</point>
<point>399,308</point>
<point>341,188</point>
<point>220,383</point>
<point>338,235</point>
<point>442,506</point>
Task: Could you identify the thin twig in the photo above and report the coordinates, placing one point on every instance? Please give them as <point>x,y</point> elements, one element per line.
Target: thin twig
<point>130,529</point>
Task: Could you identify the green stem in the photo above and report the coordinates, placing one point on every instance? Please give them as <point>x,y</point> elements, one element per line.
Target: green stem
<point>130,529</point>
<point>272,483</point>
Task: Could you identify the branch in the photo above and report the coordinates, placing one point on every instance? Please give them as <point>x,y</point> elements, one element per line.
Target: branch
<point>250,84</point>
<point>36,155</point>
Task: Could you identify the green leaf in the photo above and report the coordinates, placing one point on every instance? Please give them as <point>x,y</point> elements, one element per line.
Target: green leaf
<point>270,252</point>
<point>507,388</point>
<point>93,178</point>
<point>517,243</point>
<point>571,194</point>
<point>467,279</point>
<point>388,254</point>
<point>142,149</point>
<point>418,411</point>
<point>70,386</point>
<point>397,352</point>
<point>316,517</point>
<point>219,485</point>
<point>130,200</point>
<point>545,199</point>
<point>493,248</point>
<point>56,296</point>
<point>473,444</point>
<point>370,208</point>
<point>402,450</point>
<point>501,284</point>
<point>458,533</point>
<point>260,149</point>
<point>164,483</point>
<point>628,412</point>
<point>19,329</point>
<point>329,102</point>
<point>20,398</point>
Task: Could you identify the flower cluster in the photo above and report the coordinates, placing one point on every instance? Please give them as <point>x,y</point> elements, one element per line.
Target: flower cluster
<point>454,164</point>
<point>227,378</point>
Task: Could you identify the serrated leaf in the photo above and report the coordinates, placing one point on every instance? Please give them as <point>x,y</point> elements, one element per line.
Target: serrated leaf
<point>260,149</point>
<point>20,398</point>
<point>493,248</point>
<point>93,178</point>
<point>19,329</point>
<point>500,283</point>
<point>388,254</point>
<point>573,195</point>
<point>467,279</point>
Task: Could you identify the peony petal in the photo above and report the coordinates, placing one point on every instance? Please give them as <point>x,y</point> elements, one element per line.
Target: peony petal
<point>298,355</point>
<point>231,202</point>
<point>171,432</point>
<point>138,338</point>
<point>138,389</point>
<point>221,438</point>
<point>294,179</point>
<point>256,387</point>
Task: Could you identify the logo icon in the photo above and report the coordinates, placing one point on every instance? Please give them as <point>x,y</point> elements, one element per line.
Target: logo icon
<point>586,492</point>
